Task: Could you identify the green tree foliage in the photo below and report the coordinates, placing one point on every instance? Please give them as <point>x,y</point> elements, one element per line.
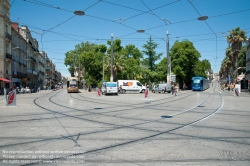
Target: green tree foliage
<point>151,56</point>
<point>184,57</point>
<point>132,69</point>
<point>201,67</point>
<point>242,60</point>
<point>161,69</point>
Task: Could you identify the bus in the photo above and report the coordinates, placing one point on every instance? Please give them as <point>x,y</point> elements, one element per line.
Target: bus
<point>72,84</point>
<point>200,83</point>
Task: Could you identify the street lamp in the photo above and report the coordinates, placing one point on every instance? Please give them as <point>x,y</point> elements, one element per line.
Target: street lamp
<point>79,13</point>
<point>111,61</point>
<point>202,18</point>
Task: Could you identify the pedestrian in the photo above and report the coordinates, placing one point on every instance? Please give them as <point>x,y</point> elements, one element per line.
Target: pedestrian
<point>228,87</point>
<point>172,89</point>
<point>184,86</point>
<point>248,87</point>
<point>176,89</point>
<point>120,89</point>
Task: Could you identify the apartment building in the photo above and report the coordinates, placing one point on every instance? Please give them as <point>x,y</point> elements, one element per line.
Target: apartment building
<point>5,44</point>
<point>21,62</point>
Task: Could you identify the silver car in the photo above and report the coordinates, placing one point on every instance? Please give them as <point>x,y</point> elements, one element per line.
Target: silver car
<point>162,88</point>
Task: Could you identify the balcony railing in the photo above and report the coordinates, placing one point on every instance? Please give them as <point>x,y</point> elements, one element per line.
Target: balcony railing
<point>42,72</point>
<point>33,59</point>
<point>8,56</point>
<point>41,63</point>
<point>47,68</point>
<point>8,36</point>
<point>47,59</point>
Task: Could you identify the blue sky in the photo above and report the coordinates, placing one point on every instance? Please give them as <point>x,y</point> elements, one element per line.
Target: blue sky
<point>62,30</point>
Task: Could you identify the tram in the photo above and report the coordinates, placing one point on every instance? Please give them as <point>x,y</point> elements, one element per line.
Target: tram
<point>72,84</point>
<point>200,83</point>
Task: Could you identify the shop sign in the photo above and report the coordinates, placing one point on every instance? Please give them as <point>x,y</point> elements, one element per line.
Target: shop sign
<point>15,69</point>
<point>34,72</point>
<point>16,80</point>
<point>24,79</point>
<point>29,71</point>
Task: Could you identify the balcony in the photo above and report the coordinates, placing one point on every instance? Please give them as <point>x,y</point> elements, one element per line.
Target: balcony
<point>33,59</point>
<point>42,72</point>
<point>41,63</point>
<point>47,59</point>
<point>8,36</point>
<point>47,68</point>
<point>8,56</point>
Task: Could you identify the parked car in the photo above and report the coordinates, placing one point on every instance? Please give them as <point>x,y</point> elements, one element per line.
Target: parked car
<point>162,88</point>
<point>109,88</point>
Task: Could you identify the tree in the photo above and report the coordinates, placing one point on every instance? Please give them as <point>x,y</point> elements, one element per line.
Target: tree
<point>161,69</point>
<point>118,58</point>
<point>149,51</point>
<point>242,60</point>
<point>184,58</point>
<point>235,38</point>
<point>201,67</point>
<point>132,68</point>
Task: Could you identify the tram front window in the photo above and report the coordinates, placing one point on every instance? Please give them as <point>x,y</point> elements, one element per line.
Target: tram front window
<point>196,82</point>
<point>72,85</point>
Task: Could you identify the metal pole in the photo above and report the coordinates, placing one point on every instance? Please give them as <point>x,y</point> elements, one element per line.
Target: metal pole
<point>168,60</point>
<point>102,68</point>
<point>79,74</point>
<point>236,81</point>
<point>111,61</point>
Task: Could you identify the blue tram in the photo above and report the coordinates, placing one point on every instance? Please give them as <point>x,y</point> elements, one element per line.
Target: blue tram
<point>200,83</point>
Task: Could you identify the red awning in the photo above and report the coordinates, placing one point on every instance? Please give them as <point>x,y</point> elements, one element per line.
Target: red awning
<point>5,80</point>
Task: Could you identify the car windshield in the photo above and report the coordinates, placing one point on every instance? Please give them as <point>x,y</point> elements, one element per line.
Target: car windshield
<point>72,85</point>
<point>111,84</point>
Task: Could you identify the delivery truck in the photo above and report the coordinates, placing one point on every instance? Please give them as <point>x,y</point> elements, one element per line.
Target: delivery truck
<point>131,86</point>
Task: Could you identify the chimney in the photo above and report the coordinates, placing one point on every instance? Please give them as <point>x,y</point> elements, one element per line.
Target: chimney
<point>14,25</point>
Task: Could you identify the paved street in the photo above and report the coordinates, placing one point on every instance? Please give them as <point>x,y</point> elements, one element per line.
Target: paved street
<point>194,128</point>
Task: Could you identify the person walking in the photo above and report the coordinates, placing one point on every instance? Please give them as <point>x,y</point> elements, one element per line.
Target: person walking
<point>228,87</point>
<point>176,89</point>
<point>172,89</point>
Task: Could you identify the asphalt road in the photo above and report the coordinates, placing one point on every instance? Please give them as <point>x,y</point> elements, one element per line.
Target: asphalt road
<point>194,128</point>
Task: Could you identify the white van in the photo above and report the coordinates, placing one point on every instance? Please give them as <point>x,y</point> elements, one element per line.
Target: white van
<point>162,88</point>
<point>109,88</point>
<point>131,86</point>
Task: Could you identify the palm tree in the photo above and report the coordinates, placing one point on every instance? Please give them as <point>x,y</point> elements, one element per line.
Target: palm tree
<point>118,64</point>
<point>235,38</point>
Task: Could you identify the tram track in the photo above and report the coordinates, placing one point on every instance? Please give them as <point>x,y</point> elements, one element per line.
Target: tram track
<point>153,135</point>
<point>119,126</point>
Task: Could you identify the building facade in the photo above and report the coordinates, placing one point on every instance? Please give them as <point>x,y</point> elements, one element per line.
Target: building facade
<point>5,43</point>
<point>21,62</point>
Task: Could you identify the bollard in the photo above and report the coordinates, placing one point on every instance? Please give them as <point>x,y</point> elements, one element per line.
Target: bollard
<point>147,93</point>
<point>98,92</point>
<point>11,98</point>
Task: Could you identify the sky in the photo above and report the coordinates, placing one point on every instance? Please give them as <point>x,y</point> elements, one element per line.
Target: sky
<point>58,30</point>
